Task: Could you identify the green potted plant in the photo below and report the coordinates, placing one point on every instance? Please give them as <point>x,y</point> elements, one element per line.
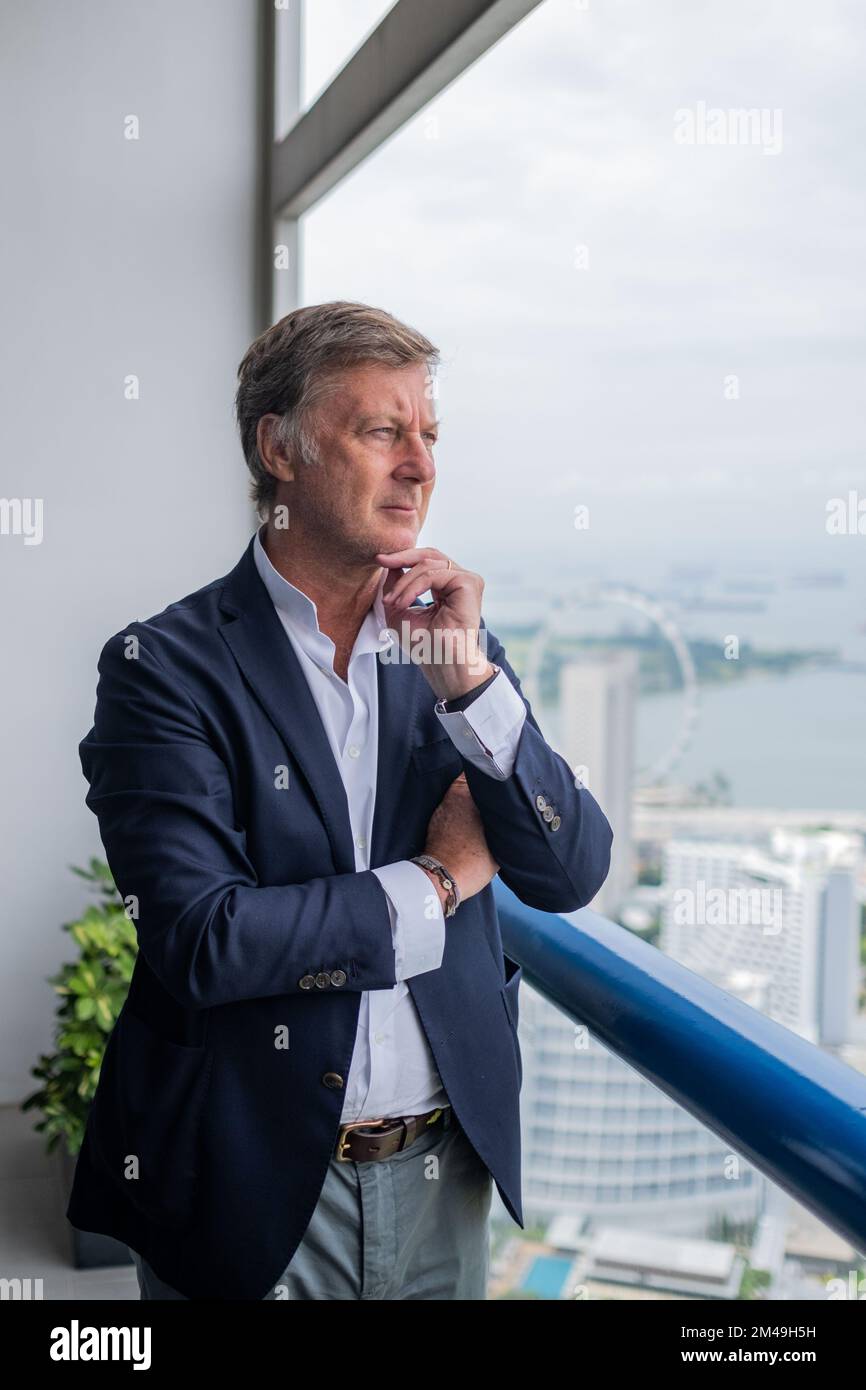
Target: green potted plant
<point>91,993</point>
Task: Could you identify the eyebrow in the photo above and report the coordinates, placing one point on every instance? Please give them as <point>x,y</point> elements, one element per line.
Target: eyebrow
<point>392,419</point>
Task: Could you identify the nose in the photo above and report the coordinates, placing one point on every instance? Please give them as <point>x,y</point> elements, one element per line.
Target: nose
<point>417,461</point>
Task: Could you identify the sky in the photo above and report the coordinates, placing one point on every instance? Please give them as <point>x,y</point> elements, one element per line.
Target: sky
<point>670,334</point>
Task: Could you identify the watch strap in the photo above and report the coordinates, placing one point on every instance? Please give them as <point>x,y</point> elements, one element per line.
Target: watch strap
<point>461,702</point>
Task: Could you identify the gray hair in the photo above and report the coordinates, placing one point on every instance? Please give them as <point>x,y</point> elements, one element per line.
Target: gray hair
<point>296,364</point>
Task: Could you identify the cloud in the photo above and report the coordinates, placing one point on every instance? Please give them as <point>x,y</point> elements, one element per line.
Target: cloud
<point>702,261</point>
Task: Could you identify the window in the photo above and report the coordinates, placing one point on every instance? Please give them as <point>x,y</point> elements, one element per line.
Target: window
<point>332,30</point>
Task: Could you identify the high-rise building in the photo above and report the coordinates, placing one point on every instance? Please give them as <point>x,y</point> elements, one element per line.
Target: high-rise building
<point>600,1140</point>
<point>776,925</point>
<point>597,710</point>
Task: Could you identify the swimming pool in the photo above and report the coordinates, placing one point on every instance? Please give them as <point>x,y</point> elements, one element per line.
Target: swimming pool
<point>546,1275</point>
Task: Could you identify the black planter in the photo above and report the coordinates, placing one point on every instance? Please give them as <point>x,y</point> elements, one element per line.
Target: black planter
<point>90,1249</point>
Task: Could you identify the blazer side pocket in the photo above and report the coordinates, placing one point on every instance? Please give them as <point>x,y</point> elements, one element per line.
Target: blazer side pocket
<point>146,1116</point>
<point>514,974</point>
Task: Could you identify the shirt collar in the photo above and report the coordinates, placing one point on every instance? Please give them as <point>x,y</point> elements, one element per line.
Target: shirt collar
<point>298,608</point>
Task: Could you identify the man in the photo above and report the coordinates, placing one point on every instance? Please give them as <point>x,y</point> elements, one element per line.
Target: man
<point>315,1077</point>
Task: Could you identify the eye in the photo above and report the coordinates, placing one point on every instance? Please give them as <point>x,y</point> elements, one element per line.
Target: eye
<point>383,429</point>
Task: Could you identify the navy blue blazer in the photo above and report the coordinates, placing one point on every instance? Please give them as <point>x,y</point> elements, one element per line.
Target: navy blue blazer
<point>241,890</point>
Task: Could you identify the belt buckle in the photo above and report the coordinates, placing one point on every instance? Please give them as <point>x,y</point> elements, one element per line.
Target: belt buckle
<point>342,1141</point>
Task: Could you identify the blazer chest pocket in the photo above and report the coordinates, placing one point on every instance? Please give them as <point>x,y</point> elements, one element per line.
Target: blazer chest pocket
<point>146,1116</point>
<point>440,753</point>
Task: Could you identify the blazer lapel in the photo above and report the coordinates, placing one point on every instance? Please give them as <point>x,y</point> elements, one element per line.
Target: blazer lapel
<point>267,659</point>
<point>268,662</point>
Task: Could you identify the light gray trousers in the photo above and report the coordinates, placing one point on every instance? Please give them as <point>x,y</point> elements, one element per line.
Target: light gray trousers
<point>412,1226</point>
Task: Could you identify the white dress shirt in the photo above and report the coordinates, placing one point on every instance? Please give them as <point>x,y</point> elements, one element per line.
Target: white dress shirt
<point>393,1071</point>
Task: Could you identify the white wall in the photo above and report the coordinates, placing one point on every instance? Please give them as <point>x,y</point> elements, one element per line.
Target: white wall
<point>118,257</point>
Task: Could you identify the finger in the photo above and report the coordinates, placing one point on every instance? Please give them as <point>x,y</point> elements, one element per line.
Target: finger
<point>396,593</point>
<point>408,557</point>
<point>392,579</point>
<point>417,581</point>
<point>396,576</point>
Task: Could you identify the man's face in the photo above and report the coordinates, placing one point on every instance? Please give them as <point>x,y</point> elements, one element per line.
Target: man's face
<point>372,488</point>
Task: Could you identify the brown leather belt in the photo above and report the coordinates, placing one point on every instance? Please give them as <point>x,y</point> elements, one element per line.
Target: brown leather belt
<point>387,1136</point>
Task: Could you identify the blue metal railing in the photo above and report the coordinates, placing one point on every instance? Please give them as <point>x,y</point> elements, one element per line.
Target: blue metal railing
<point>795,1112</point>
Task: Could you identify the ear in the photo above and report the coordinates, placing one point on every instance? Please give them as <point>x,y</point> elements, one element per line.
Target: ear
<point>273,455</point>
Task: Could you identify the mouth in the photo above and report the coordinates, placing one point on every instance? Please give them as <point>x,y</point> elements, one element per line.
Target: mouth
<point>404,511</point>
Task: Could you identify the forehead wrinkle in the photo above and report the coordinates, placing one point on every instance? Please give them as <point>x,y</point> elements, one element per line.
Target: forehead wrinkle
<point>391,417</point>
<point>397,404</point>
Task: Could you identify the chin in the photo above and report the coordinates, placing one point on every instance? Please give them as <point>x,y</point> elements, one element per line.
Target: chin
<point>398,535</point>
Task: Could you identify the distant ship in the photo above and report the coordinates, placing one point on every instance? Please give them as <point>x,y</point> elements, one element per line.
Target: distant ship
<point>690,574</point>
<point>724,605</point>
<point>750,586</point>
<point>820,579</point>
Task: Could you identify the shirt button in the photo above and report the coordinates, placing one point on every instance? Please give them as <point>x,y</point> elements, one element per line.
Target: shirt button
<point>361,842</point>
<point>380,1037</point>
<point>354,750</point>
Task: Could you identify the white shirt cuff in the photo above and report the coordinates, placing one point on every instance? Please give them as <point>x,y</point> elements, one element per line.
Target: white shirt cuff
<point>417,919</point>
<point>487,732</point>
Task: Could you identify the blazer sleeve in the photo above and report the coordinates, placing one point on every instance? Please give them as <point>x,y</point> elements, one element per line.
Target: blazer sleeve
<point>556,870</point>
<point>162,796</point>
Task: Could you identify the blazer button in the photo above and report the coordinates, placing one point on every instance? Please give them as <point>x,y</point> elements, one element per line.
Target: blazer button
<point>338,977</point>
<point>307,981</point>
<point>548,813</point>
<point>541,803</point>
<point>323,981</point>
<point>556,823</point>
<point>334,1080</point>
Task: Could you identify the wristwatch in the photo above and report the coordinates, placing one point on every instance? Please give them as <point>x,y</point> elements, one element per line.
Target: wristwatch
<point>452,902</point>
